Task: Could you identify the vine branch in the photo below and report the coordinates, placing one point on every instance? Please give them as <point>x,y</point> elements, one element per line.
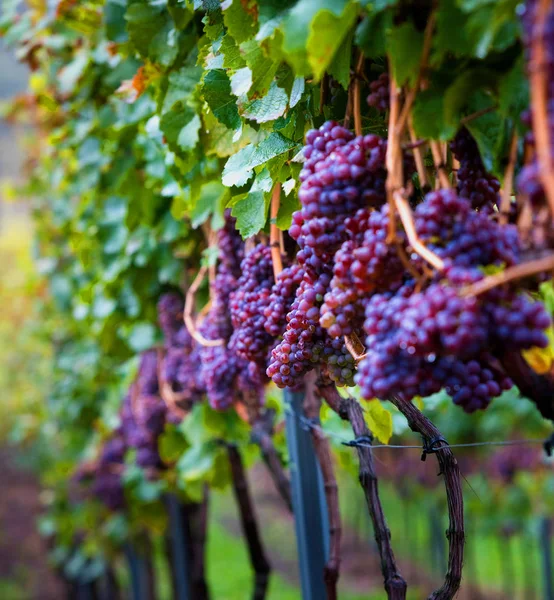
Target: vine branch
<point>189,307</point>
<point>256,551</point>
<point>349,410</point>
<point>450,471</point>
<point>508,182</point>
<point>538,76</point>
<point>261,435</point>
<point>525,269</point>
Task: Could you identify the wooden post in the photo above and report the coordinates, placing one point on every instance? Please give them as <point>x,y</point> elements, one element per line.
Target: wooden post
<point>308,501</point>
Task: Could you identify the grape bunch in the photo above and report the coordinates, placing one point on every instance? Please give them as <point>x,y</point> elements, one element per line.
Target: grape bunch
<point>105,479</point>
<point>474,183</point>
<point>180,363</point>
<point>143,415</point>
<point>227,375</point>
<point>247,304</point>
<point>419,342</point>
<point>448,225</point>
<point>379,96</point>
<point>364,264</point>
<point>281,298</point>
<point>341,174</point>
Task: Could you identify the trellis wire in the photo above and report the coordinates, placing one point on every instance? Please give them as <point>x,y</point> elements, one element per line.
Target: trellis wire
<point>308,424</point>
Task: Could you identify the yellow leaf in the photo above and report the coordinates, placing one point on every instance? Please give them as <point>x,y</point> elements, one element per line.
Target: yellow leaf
<point>418,401</point>
<point>379,420</point>
<point>539,359</point>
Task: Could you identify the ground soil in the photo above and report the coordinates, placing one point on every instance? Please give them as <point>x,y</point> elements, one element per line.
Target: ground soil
<point>23,552</point>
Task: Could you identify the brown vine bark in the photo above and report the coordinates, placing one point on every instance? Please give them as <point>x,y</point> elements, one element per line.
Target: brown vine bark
<point>312,404</point>
<point>197,517</point>
<point>261,435</point>
<point>538,388</point>
<point>249,524</point>
<point>449,469</point>
<point>349,410</point>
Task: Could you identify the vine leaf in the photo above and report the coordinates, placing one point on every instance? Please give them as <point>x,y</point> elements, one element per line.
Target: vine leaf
<point>378,420</point>
<point>239,168</point>
<point>251,209</point>
<point>218,95</point>
<point>270,107</point>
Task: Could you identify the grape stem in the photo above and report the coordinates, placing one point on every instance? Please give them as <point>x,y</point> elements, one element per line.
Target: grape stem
<point>350,410</point>
<point>477,114</point>
<point>526,269</point>
<point>249,524</point>
<point>450,471</point>
<point>167,394</point>
<point>418,156</point>
<point>406,216</point>
<point>393,158</point>
<point>356,95</point>
<point>439,164</point>
<point>538,75</point>
<point>312,405</point>
<point>189,306</point>
<point>354,346</point>
<point>274,237</point>
<point>508,183</point>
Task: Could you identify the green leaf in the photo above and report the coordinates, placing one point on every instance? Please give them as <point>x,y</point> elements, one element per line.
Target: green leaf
<point>142,336</point>
<point>491,134</point>
<point>217,93</point>
<point>370,34</point>
<point>181,85</point>
<point>181,128</point>
<point>268,108</point>
<point>251,209</point>
<point>197,462</point>
<point>313,31</point>
<point>405,46</point>
<point>152,33</point>
<point>263,67</point>
<point>241,81</point>
<point>209,202</point>
<point>171,444</point>
<point>289,203</point>
<point>232,58</point>
<point>296,91</point>
<point>513,92</point>
<point>340,65</point>
<point>238,169</point>
<point>378,420</point>
<point>240,19</point>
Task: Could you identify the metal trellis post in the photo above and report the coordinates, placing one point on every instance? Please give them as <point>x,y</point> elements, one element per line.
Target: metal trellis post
<point>546,552</point>
<point>308,500</point>
<point>142,577</point>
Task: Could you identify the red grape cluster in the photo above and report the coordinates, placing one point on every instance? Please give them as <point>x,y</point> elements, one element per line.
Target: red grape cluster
<point>341,175</point>
<point>363,265</point>
<point>474,183</point>
<point>420,342</point>
<point>248,303</point>
<point>379,96</point>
